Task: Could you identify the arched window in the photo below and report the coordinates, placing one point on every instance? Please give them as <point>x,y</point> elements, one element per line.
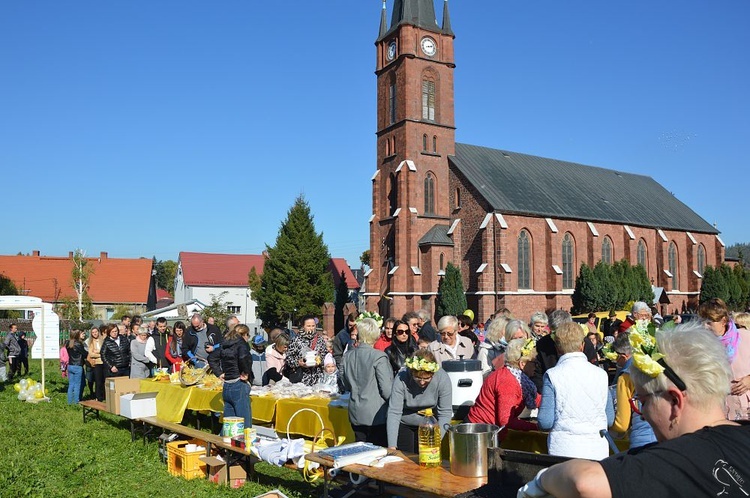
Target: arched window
<point>428,100</point>
<point>701,259</point>
<point>429,194</point>
<point>434,143</point>
<point>442,261</point>
<point>524,260</point>
<point>673,264</point>
<point>568,262</point>
<point>424,142</point>
<point>607,250</point>
<point>393,194</point>
<point>642,254</point>
<point>387,147</point>
<point>393,145</point>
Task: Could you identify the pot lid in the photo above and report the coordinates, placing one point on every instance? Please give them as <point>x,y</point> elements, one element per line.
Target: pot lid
<point>462,366</point>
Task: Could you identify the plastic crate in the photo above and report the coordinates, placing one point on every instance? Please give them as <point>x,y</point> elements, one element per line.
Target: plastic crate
<point>183,463</point>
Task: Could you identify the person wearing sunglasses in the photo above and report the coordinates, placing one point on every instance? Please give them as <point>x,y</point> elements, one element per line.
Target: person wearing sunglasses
<point>402,345</point>
<point>453,346</point>
<point>682,392</point>
<point>628,415</point>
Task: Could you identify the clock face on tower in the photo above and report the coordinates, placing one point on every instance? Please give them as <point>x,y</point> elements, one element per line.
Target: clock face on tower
<point>428,46</point>
<point>391,51</point>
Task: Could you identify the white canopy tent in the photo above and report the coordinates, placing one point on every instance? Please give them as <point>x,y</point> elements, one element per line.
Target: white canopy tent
<point>46,325</point>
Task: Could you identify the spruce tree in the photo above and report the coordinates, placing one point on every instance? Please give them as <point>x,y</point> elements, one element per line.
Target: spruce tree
<point>295,280</point>
<point>585,292</point>
<point>713,285</point>
<point>606,289</point>
<point>642,289</point>
<point>451,298</point>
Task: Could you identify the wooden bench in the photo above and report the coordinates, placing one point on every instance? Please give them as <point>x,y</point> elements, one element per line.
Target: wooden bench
<point>233,454</point>
<point>92,407</point>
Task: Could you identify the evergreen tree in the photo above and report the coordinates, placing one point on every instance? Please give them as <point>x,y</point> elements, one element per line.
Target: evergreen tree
<point>295,279</point>
<point>586,291</point>
<point>713,285</point>
<point>606,287</point>
<point>741,275</point>
<point>642,289</point>
<point>342,297</point>
<point>451,298</point>
<point>734,291</point>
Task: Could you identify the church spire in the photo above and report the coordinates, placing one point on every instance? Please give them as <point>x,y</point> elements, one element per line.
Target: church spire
<point>446,19</point>
<point>420,13</point>
<point>383,22</point>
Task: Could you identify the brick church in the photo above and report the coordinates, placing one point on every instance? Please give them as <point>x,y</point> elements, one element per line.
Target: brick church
<point>518,226</point>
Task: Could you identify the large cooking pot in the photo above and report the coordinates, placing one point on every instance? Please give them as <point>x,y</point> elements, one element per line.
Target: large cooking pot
<point>468,447</point>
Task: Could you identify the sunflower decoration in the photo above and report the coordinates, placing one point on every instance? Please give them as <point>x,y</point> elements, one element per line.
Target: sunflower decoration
<point>371,314</point>
<point>422,365</point>
<point>645,352</point>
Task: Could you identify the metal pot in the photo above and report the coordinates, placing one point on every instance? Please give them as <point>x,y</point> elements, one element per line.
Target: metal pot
<point>468,447</point>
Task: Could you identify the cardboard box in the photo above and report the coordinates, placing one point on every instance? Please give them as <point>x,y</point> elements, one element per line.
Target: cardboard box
<point>116,387</point>
<point>138,405</point>
<point>218,474</point>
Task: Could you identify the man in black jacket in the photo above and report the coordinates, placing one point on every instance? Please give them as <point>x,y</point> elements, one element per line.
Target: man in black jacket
<point>159,336</point>
<point>546,352</point>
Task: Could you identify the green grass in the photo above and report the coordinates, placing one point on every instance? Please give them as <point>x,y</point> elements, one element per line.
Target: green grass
<point>49,452</point>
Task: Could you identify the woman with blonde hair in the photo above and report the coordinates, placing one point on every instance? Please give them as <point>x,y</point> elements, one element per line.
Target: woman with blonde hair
<point>94,347</point>
<point>575,400</point>
<point>507,391</point>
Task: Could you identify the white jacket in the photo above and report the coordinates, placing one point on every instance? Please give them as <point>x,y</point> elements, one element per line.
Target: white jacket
<point>581,395</point>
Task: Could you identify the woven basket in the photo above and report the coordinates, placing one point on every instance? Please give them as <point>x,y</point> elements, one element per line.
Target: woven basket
<point>191,375</point>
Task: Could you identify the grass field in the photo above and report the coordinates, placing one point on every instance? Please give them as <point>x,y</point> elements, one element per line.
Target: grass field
<point>48,451</point>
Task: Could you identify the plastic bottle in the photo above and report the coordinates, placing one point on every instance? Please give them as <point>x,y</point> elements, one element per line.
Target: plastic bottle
<point>429,441</point>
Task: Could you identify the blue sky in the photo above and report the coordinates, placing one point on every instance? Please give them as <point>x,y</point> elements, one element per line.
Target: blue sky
<point>147,128</point>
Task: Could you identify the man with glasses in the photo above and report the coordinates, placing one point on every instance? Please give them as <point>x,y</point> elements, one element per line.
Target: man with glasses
<point>627,411</point>
<point>453,345</point>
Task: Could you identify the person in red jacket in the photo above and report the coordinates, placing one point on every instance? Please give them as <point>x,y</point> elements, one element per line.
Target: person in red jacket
<point>507,391</point>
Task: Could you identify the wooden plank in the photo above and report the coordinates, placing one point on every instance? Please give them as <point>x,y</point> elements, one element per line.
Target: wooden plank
<point>408,474</point>
<point>92,407</point>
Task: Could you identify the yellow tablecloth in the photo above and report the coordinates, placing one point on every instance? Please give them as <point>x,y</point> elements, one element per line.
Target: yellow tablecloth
<point>263,408</point>
<point>307,424</point>
<point>174,399</point>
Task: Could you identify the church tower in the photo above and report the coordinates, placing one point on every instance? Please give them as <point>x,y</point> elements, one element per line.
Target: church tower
<point>409,228</point>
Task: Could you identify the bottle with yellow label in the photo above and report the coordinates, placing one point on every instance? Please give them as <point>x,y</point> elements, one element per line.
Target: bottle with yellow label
<point>429,441</point>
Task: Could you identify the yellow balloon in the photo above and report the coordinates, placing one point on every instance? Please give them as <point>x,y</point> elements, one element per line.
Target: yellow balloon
<point>38,394</point>
<point>17,387</point>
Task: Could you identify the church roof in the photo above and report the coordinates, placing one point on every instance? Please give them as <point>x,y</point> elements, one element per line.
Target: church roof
<point>420,13</point>
<point>436,236</point>
<point>514,183</point>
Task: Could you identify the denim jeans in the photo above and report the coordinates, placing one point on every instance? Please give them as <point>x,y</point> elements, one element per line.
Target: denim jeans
<point>75,383</point>
<point>237,401</point>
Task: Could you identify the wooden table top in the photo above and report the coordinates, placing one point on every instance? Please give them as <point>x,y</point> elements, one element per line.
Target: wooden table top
<point>407,473</point>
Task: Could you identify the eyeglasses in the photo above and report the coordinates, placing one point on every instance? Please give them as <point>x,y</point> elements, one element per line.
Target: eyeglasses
<point>402,331</point>
<point>447,334</point>
<point>636,402</point>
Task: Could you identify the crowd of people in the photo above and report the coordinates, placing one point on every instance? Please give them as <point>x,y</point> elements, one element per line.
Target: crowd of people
<point>673,392</point>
